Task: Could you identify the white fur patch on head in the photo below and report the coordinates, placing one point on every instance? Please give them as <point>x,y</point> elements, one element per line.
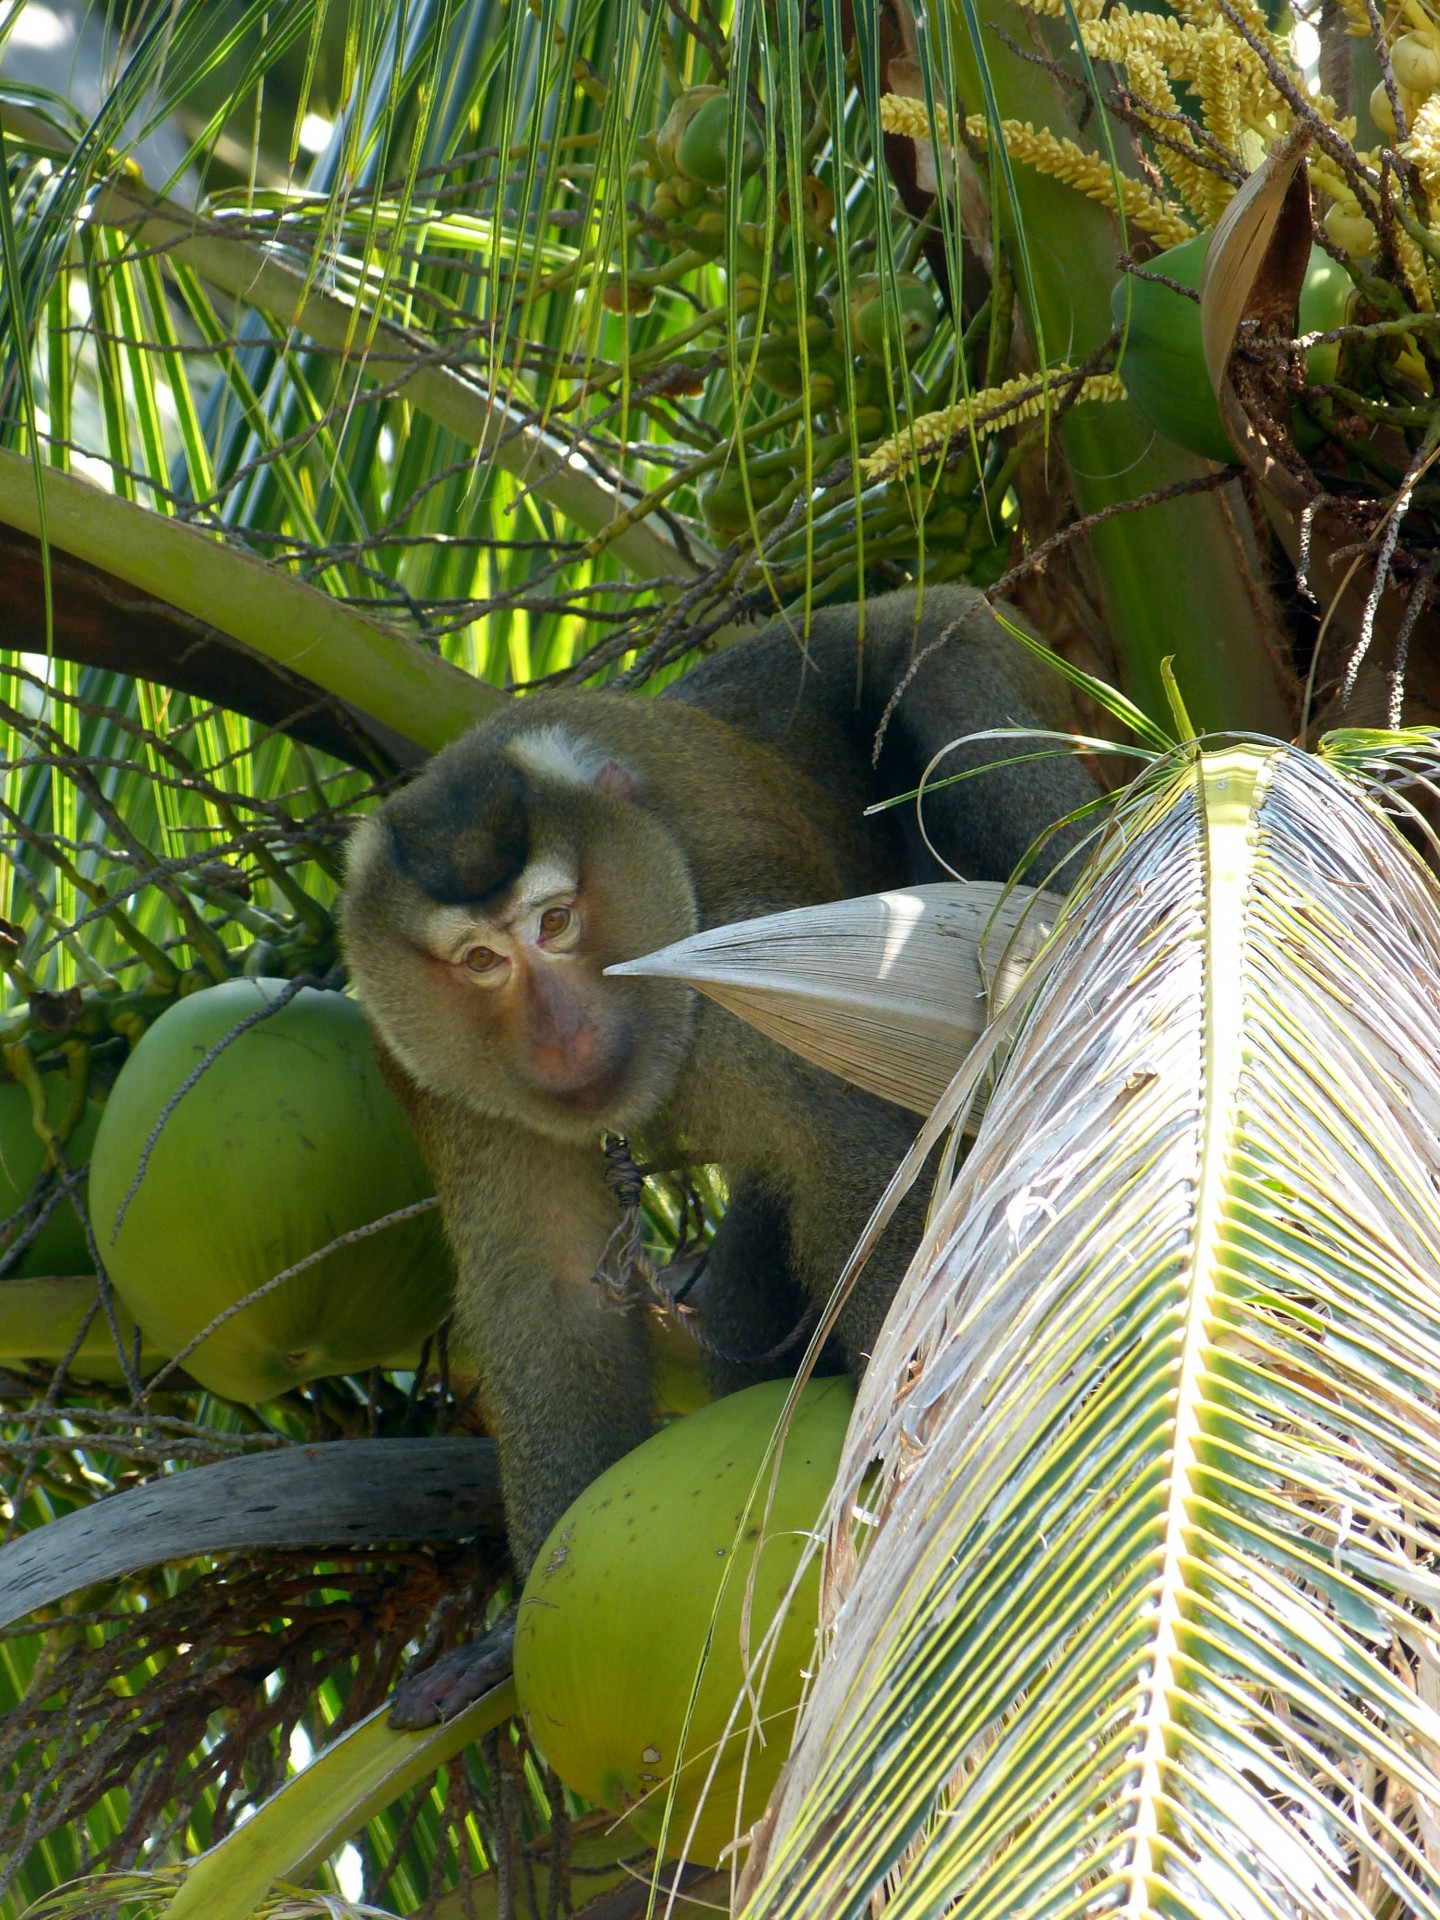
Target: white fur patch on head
<point>554,753</point>
<point>545,882</point>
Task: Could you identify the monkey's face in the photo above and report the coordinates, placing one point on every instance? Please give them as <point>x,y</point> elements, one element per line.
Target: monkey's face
<point>496,994</point>
<point>523,971</point>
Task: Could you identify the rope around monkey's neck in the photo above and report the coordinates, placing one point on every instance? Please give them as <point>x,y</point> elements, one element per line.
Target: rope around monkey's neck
<point>627,1276</point>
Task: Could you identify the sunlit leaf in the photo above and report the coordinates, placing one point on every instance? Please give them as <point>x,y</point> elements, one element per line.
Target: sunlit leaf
<point>1147,1624</point>
<point>889,991</point>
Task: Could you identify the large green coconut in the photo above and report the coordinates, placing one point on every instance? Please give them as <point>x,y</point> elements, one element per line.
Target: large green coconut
<point>288,1139</point>
<point>614,1618</point>
<point>59,1247</point>
<point>1163,364</point>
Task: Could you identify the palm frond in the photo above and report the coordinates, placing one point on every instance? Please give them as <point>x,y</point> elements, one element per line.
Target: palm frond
<point>283,620</point>
<point>410,1489</point>
<point>358,1775</point>
<point>1147,1616</point>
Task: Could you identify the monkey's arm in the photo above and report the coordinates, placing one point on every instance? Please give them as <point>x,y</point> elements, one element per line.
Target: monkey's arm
<point>807,1158</point>
<point>565,1379</point>
<point>755,1317</point>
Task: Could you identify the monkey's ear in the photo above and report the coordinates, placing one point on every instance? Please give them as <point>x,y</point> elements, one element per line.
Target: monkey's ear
<point>613,779</point>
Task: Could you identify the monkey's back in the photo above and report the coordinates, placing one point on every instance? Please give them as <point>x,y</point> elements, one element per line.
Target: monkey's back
<point>864,720</point>
<point>800,703</point>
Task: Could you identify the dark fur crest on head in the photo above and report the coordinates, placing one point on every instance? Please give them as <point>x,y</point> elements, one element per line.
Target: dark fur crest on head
<point>465,839</point>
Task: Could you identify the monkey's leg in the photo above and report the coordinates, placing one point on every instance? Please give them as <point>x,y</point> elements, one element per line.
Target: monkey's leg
<point>570,1389</point>
<point>750,1303</point>
<point>565,1377</point>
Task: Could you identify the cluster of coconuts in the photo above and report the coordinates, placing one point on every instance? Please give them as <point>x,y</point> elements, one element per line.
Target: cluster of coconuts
<point>801,356</point>
<point>795,350</point>
<point>203,1186</point>
<point>1415,62</point>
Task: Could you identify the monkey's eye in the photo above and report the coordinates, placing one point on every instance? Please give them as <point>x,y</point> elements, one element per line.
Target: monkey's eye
<point>555,920</point>
<point>482,959</point>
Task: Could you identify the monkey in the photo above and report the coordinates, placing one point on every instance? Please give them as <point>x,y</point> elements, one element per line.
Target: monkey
<point>577,828</point>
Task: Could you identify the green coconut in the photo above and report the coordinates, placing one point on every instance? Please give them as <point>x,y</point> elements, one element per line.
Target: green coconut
<point>59,1247</point>
<point>1164,359</point>
<point>909,317</point>
<point>778,364</point>
<point>695,139</point>
<point>725,505</point>
<point>288,1139</point>
<point>614,1618</point>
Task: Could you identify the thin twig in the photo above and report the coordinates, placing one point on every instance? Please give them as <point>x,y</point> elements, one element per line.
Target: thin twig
<point>1037,559</point>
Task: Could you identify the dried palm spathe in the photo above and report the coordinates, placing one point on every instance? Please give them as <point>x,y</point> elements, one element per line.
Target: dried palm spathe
<point>889,991</point>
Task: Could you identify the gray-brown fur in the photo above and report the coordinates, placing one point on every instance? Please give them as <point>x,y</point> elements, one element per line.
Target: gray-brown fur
<point>739,793</point>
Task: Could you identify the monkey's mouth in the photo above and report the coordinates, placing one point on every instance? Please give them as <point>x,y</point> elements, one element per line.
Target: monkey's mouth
<point>601,1096</point>
<point>596,1095</point>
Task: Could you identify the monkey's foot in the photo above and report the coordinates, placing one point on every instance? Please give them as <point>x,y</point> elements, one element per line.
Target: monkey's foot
<point>456,1680</point>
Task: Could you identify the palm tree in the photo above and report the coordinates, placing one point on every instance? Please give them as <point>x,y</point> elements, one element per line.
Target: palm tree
<point>478,345</point>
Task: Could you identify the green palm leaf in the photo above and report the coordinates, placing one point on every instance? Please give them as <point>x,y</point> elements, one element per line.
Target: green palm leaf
<point>1145,1624</point>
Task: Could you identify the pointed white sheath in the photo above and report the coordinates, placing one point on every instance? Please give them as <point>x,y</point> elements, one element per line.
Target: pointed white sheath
<point>890,991</point>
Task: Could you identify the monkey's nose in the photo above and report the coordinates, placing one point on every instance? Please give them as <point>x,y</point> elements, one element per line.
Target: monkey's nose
<point>575,1063</point>
<point>569,1057</point>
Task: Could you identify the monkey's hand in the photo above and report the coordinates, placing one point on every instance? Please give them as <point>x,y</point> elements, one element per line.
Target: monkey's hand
<point>456,1680</point>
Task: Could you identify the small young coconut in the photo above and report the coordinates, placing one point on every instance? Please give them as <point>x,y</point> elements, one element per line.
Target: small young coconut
<point>615,1618</point>
<point>866,400</point>
<point>1351,230</point>
<point>1415,58</point>
<point>623,296</point>
<point>1381,111</point>
<point>908,320</point>
<point>778,365</point>
<point>817,209</point>
<point>724,505</point>
<point>695,139</point>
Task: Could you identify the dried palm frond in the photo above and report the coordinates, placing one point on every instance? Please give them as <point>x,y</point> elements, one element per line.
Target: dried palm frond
<point>1147,1618</point>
